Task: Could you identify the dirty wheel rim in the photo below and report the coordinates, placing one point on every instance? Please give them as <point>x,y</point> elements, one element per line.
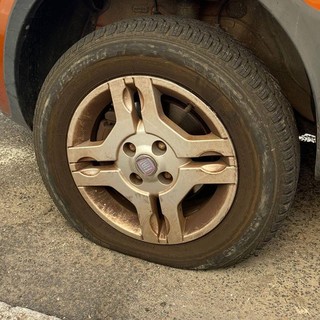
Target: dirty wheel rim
<point>152,160</point>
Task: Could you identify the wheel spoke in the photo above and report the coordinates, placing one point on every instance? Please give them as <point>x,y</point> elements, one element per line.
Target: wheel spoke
<point>110,176</point>
<point>97,177</point>
<point>184,144</point>
<point>188,146</point>
<point>147,209</point>
<point>126,125</point>
<point>198,173</point>
<point>191,175</point>
<point>211,173</point>
<point>92,150</point>
<point>175,221</point>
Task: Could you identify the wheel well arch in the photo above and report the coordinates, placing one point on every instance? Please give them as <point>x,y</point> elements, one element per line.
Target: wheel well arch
<point>47,28</point>
<point>39,32</point>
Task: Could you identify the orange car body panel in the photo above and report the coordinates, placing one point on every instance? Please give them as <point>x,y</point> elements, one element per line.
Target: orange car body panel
<point>5,10</point>
<point>313,3</point>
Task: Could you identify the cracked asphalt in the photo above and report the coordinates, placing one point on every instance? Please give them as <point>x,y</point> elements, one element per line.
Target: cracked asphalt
<point>48,267</point>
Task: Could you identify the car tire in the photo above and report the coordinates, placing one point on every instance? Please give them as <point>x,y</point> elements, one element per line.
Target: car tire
<point>165,139</point>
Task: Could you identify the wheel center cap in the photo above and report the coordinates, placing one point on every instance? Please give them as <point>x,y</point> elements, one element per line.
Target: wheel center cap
<point>146,165</point>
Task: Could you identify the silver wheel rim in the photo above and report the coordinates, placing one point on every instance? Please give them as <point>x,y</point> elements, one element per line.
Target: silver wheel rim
<point>142,171</point>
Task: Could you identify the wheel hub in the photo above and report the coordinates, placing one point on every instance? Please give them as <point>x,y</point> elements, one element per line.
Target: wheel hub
<point>146,165</point>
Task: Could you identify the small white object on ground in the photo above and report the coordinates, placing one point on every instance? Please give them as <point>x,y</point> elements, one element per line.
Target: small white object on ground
<point>308,138</point>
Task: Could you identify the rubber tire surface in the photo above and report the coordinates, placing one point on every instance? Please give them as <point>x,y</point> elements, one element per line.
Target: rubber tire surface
<point>222,73</point>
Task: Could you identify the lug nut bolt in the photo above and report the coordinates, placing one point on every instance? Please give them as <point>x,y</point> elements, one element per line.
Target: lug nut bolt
<point>138,177</point>
<point>132,147</point>
<point>161,146</point>
<point>167,176</point>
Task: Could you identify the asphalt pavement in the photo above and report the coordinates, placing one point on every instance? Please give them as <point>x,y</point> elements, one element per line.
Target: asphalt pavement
<point>48,267</point>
